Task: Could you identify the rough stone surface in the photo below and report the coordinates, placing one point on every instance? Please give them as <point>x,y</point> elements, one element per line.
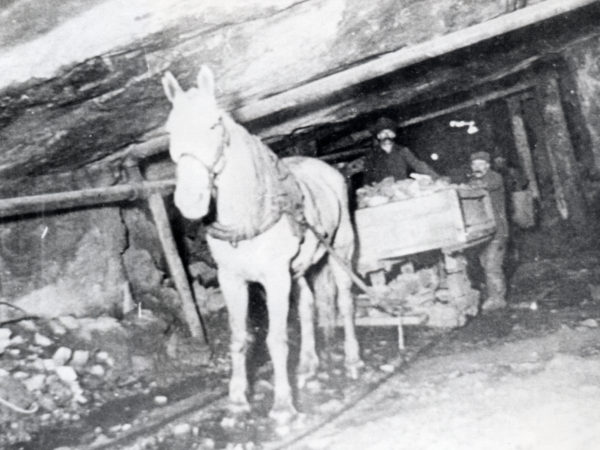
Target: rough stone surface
<point>102,91</point>
<point>62,355</point>
<point>63,265</point>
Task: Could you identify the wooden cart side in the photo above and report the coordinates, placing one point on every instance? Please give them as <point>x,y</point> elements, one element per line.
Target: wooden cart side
<point>397,229</point>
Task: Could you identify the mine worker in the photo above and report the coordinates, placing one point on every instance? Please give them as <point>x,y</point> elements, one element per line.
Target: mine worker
<point>492,255</point>
<point>388,159</point>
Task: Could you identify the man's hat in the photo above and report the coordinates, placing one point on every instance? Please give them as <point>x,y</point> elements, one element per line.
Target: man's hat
<point>384,123</point>
<point>485,156</point>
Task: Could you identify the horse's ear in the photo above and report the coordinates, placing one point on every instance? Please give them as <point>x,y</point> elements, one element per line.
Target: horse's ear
<point>206,80</point>
<point>171,86</point>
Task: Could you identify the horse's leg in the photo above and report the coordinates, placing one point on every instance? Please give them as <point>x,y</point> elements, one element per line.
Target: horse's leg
<point>344,245</point>
<point>278,286</point>
<point>235,292</point>
<point>309,362</point>
<point>325,294</point>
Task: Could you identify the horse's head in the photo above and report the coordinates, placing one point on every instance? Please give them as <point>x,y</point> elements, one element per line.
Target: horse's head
<point>197,139</point>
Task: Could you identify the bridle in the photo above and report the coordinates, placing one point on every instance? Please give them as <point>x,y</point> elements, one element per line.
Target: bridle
<point>213,169</point>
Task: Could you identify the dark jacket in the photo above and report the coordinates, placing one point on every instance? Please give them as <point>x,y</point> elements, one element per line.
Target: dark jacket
<point>380,165</point>
<point>494,184</point>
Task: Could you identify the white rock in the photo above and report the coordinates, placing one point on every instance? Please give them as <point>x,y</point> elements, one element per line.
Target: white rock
<point>28,325</point>
<point>62,355</point>
<point>41,340</point>
<point>80,358</point>
<point>57,328</point>
<point>49,364</point>
<point>97,370</point>
<point>207,443</point>
<point>79,398</point>
<point>160,400</point>
<point>17,340</point>
<point>35,383</point>
<point>590,323</point>
<point>4,339</point>
<point>105,358</point>
<point>387,368</point>
<point>4,373</point>
<point>5,335</point>
<point>66,374</point>
<point>20,375</point>
<point>182,429</point>
<point>69,322</point>
<point>101,356</point>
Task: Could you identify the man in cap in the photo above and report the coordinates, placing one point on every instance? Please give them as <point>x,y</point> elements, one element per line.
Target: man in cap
<point>492,256</point>
<point>388,159</point>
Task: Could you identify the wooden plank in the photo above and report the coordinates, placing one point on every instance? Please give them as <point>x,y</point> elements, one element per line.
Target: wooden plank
<point>86,197</point>
<point>476,101</point>
<point>176,269</point>
<point>569,197</point>
<point>438,220</point>
<point>406,56</point>
<point>522,143</point>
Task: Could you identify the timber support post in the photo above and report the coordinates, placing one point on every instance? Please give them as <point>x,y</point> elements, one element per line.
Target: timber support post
<point>566,178</point>
<point>522,143</point>
<point>191,315</point>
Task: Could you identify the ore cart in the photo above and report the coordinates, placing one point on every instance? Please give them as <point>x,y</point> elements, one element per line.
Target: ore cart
<point>447,221</point>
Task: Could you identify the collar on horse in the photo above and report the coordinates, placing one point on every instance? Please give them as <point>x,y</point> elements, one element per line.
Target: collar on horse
<point>288,198</point>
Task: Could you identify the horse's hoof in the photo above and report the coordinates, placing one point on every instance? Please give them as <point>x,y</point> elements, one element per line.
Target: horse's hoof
<point>304,375</point>
<point>283,416</point>
<point>239,408</point>
<point>232,420</point>
<point>354,368</point>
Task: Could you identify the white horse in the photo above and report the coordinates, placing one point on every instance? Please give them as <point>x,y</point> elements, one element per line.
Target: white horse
<point>258,236</point>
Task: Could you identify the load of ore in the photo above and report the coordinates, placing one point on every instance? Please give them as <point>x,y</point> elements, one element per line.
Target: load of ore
<point>389,190</point>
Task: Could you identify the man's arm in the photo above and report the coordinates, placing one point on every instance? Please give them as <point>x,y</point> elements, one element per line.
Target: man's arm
<point>417,165</point>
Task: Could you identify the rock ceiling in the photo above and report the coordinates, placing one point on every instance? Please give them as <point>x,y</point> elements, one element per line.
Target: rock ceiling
<point>80,83</point>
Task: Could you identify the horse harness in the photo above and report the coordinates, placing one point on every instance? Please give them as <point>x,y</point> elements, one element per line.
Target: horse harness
<point>288,199</point>
<point>213,169</point>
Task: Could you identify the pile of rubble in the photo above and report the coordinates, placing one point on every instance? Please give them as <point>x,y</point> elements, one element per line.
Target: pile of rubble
<point>54,372</point>
<point>424,292</point>
<point>40,376</point>
<point>389,190</point>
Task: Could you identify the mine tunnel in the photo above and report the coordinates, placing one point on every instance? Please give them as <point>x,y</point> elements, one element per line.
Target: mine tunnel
<point>195,252</point>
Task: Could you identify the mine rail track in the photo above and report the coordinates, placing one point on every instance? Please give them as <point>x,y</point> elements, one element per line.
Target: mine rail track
<point>188,409</point>
<point>401,363</point>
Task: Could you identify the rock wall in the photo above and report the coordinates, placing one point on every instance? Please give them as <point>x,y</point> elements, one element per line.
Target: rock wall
<point>82,263</point>
<point>65,263</point>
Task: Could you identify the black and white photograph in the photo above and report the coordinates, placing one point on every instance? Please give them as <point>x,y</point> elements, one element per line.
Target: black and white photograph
<point>299,224</point>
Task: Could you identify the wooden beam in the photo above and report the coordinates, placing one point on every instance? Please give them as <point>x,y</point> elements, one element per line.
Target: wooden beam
<point>376,67</point>
<point>476,101</point>
<point>86,197</point>
<point>406,56</point>
<point>522,143</point>
<point>190,315</point>
<point>569,196</point>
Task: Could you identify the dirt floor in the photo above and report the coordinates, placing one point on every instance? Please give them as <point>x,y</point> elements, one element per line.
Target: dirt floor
<point>524,378</point>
